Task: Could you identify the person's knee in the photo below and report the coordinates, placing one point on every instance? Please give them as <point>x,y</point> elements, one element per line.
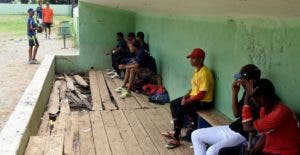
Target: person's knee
<point>195,134</point>
<point>212,151</point>
<point>134,70</point>
<point>199,135</point>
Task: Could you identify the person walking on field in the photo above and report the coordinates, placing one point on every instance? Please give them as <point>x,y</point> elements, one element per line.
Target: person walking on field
<point>48,19</point>
<point>39,13</point>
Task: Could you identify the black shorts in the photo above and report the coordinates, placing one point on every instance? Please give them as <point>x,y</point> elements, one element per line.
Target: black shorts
<point>33,41</point>
<point>47,25</point>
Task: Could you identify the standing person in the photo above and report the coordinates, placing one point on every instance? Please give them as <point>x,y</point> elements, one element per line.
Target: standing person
<point>31,33</point>
<point>277,122</point>
<point>199,97</point>
<point>219,137</point>
<point>48,19</point>
<point>39,13</point>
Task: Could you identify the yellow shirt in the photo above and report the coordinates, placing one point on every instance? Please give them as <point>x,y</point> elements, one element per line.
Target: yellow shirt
<point>203,80</point>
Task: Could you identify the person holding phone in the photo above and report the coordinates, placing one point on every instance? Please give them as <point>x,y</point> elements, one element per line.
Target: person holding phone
<point>232,135</point>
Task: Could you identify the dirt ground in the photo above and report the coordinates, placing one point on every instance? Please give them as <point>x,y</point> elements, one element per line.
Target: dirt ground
<point>15,73</point>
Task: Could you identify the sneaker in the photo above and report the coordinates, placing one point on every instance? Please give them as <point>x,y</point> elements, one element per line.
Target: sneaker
<point>35,61</point>
<point>49,37</point>
<point>111,72</point>
<point>125,94</point>
<point>172,144</point>
<point>119,90</point>
<point>114,76</point>
<point>30,62</point>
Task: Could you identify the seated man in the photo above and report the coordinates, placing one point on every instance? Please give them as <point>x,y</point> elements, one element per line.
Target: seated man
<point>199,97</point>
<point>131,38</point>
<point>140,38</point>
<point>118,54</point>
<point>228,135</point>
<point>277,123</point>
<point>140,64</point>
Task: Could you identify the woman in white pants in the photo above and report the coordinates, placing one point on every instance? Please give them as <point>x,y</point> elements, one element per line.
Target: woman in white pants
<point>231,135</point>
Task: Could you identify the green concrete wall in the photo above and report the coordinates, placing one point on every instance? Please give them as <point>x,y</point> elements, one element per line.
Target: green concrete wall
<point>16,9</point>
<point>97,28</point>
<point>273,45</point>
<point>67,64</point>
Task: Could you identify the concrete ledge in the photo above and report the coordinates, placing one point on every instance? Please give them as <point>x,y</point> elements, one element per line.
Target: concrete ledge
<point>25,119</point>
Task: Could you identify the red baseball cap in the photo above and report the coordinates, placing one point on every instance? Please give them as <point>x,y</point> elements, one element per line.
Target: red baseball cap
<point>197,53</point>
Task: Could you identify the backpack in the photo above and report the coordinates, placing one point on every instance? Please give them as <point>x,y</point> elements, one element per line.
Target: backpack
<point>159,98</point>
<point>151,89</point>
<point>157,93</point>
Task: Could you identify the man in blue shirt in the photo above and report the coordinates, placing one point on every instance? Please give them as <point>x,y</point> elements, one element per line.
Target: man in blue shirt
<point>118,54</point>
<point>31,33</point>
<point>140,64</point>
<point>39,13</point>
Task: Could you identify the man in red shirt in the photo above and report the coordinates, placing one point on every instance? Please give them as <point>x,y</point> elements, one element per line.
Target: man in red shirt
<point>48,19</point>
<point>277,123</point>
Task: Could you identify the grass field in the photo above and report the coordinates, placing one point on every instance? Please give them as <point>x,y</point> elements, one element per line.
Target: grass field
<point>15,25</point>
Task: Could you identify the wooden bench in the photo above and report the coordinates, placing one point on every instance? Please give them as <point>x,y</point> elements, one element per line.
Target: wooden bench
<point>214,117</point>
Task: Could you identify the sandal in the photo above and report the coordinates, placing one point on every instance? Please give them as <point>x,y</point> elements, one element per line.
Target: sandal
<point>169,134</point>
<point>172,144</point>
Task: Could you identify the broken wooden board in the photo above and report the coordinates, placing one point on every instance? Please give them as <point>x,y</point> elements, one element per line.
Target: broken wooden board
<point>79,94</point>
<point>83,98</point>
<point>63,90</point>
<point>105,96</point>
<point>36,145</point>
<point>53,106</point>
<point>80,81</point>
<point>70,83</point>
<point>77,102</point>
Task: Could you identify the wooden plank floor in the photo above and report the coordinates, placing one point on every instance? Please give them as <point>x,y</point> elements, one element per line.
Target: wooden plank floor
<point>129,126</point>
